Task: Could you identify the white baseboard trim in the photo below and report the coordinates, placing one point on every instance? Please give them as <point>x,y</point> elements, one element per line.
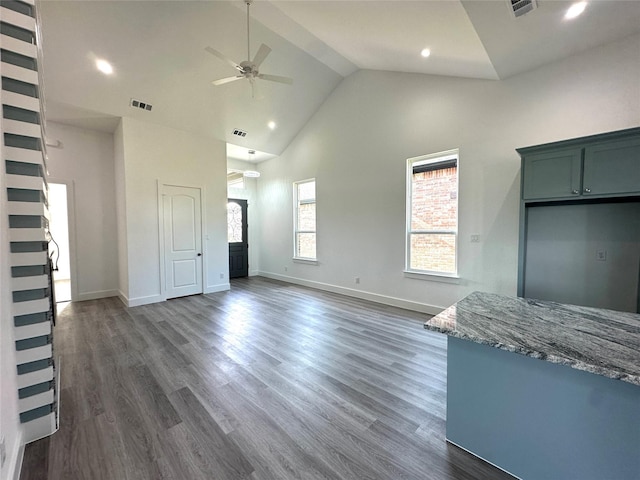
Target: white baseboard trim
<point>98,294</point>
<point>483,459</point>
<point>221,287</point>
<point>15,463</point>
<point>138,301</point>
<point>123,298</point>
<point>350,292</point>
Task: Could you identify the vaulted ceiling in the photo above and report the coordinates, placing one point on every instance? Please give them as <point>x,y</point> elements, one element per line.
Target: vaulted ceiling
<point>157,52</point>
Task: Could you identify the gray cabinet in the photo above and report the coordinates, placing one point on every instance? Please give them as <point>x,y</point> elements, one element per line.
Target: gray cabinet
<point>606,165</point>
<point>612,168</point>
<point>555,174</point>
<point>580,221</point>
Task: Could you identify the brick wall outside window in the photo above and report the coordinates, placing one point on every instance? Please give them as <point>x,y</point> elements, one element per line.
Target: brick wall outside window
<point>305,243</point>
<point>434,207</point>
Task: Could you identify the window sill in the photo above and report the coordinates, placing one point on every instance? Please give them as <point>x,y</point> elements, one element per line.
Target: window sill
<point>307,261</point>
<point>434,277</point>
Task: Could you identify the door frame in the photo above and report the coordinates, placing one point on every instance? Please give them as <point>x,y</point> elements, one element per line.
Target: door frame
<point>161,246</point>
<point>71,226</point>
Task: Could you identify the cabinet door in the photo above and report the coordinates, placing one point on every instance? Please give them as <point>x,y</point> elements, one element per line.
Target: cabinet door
<point>612,167</point>
<point>552,174</point>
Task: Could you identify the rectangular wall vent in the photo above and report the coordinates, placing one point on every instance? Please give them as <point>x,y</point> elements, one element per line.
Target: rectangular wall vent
<point>142,105</point>
<point>240,133</point>
<point>521,7</point>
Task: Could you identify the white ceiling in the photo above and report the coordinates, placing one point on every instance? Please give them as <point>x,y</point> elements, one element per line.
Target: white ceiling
<point>157,49</point>
<point>247,154</point>
<point>389,35</point>
<point>543,35</point>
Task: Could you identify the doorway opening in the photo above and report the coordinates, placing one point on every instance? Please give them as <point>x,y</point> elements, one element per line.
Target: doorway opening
<point>237,234</point>
<point>59,249</point>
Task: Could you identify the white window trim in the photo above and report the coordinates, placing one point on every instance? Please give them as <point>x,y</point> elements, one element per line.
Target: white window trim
<point>449,277</point>
<point>436,277</point>
<point>305,261</point>
<point>296,203</point>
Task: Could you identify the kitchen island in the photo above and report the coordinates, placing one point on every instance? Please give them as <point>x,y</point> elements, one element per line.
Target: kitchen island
<point>541,389</point>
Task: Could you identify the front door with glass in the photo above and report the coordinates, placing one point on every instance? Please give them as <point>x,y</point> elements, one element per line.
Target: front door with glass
<point>237,234</point>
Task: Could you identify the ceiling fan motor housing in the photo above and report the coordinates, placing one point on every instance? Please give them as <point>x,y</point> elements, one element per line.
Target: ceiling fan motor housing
<point>249,69</point>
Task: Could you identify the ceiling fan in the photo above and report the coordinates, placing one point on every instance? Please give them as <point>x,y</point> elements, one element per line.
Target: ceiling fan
<point>248,69</point>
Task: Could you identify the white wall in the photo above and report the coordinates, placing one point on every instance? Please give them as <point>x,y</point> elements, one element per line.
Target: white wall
<point>152,154</point>
<point>9,420</point>
<point>121,213</point>
<point>85,162</point>
<point>357,144</point>
<point>59,229</point>
<point>249,193</point>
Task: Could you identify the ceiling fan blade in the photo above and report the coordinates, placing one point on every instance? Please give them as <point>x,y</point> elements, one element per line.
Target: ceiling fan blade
<point>276,78</point>
<point>222,81</point>
<point>263,51</point>
<point>215,52</point>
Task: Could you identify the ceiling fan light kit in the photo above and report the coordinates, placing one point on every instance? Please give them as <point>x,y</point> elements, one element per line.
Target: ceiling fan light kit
<point>248,69</point>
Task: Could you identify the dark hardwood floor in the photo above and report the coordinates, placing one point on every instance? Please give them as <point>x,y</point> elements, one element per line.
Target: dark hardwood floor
<point>266,381</point>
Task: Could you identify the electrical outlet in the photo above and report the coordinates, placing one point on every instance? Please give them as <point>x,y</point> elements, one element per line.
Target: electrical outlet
<point>221,276</point>
<point>357,280</point>
<point>3,452</point>
<point>286,269</point>
<point>475,238</point>
<point>601,255</point>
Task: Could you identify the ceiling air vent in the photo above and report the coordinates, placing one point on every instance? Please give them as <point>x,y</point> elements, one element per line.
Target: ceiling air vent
<point>521,7</point>
<point>240,133</point>
<point>142,105</point>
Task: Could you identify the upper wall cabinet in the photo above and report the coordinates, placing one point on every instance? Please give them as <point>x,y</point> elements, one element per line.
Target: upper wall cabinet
<point>612,167</point>
<point>601,166</point>
<point>554,174</point>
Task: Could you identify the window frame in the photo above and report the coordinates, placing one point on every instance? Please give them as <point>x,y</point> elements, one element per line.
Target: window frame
<point>237,183</point>
<point>444,157</point>
<point>296,210</point>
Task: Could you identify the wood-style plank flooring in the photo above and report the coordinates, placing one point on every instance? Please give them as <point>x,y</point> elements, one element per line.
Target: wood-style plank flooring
<point>266,381</point>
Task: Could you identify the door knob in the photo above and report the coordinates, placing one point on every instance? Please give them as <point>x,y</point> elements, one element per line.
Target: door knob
<point>199,254</point>
<point>587,190</point>
<point>574,191</point>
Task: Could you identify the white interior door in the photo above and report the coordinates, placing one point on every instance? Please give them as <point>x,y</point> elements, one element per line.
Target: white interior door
<point>182,241</point>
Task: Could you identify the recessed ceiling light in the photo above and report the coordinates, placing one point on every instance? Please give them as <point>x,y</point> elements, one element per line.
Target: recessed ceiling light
<point>575,10</point>
<point>425,52</point>
<point>271,125</point>
<point>104,66</point>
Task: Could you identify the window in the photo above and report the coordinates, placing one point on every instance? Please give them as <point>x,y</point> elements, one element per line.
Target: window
<point>432,213</point>
<point>235,179</point>
<point>305,219</point>
<point>234,222</point>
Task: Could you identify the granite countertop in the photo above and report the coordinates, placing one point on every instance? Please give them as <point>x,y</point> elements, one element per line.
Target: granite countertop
<point>604,342</point>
